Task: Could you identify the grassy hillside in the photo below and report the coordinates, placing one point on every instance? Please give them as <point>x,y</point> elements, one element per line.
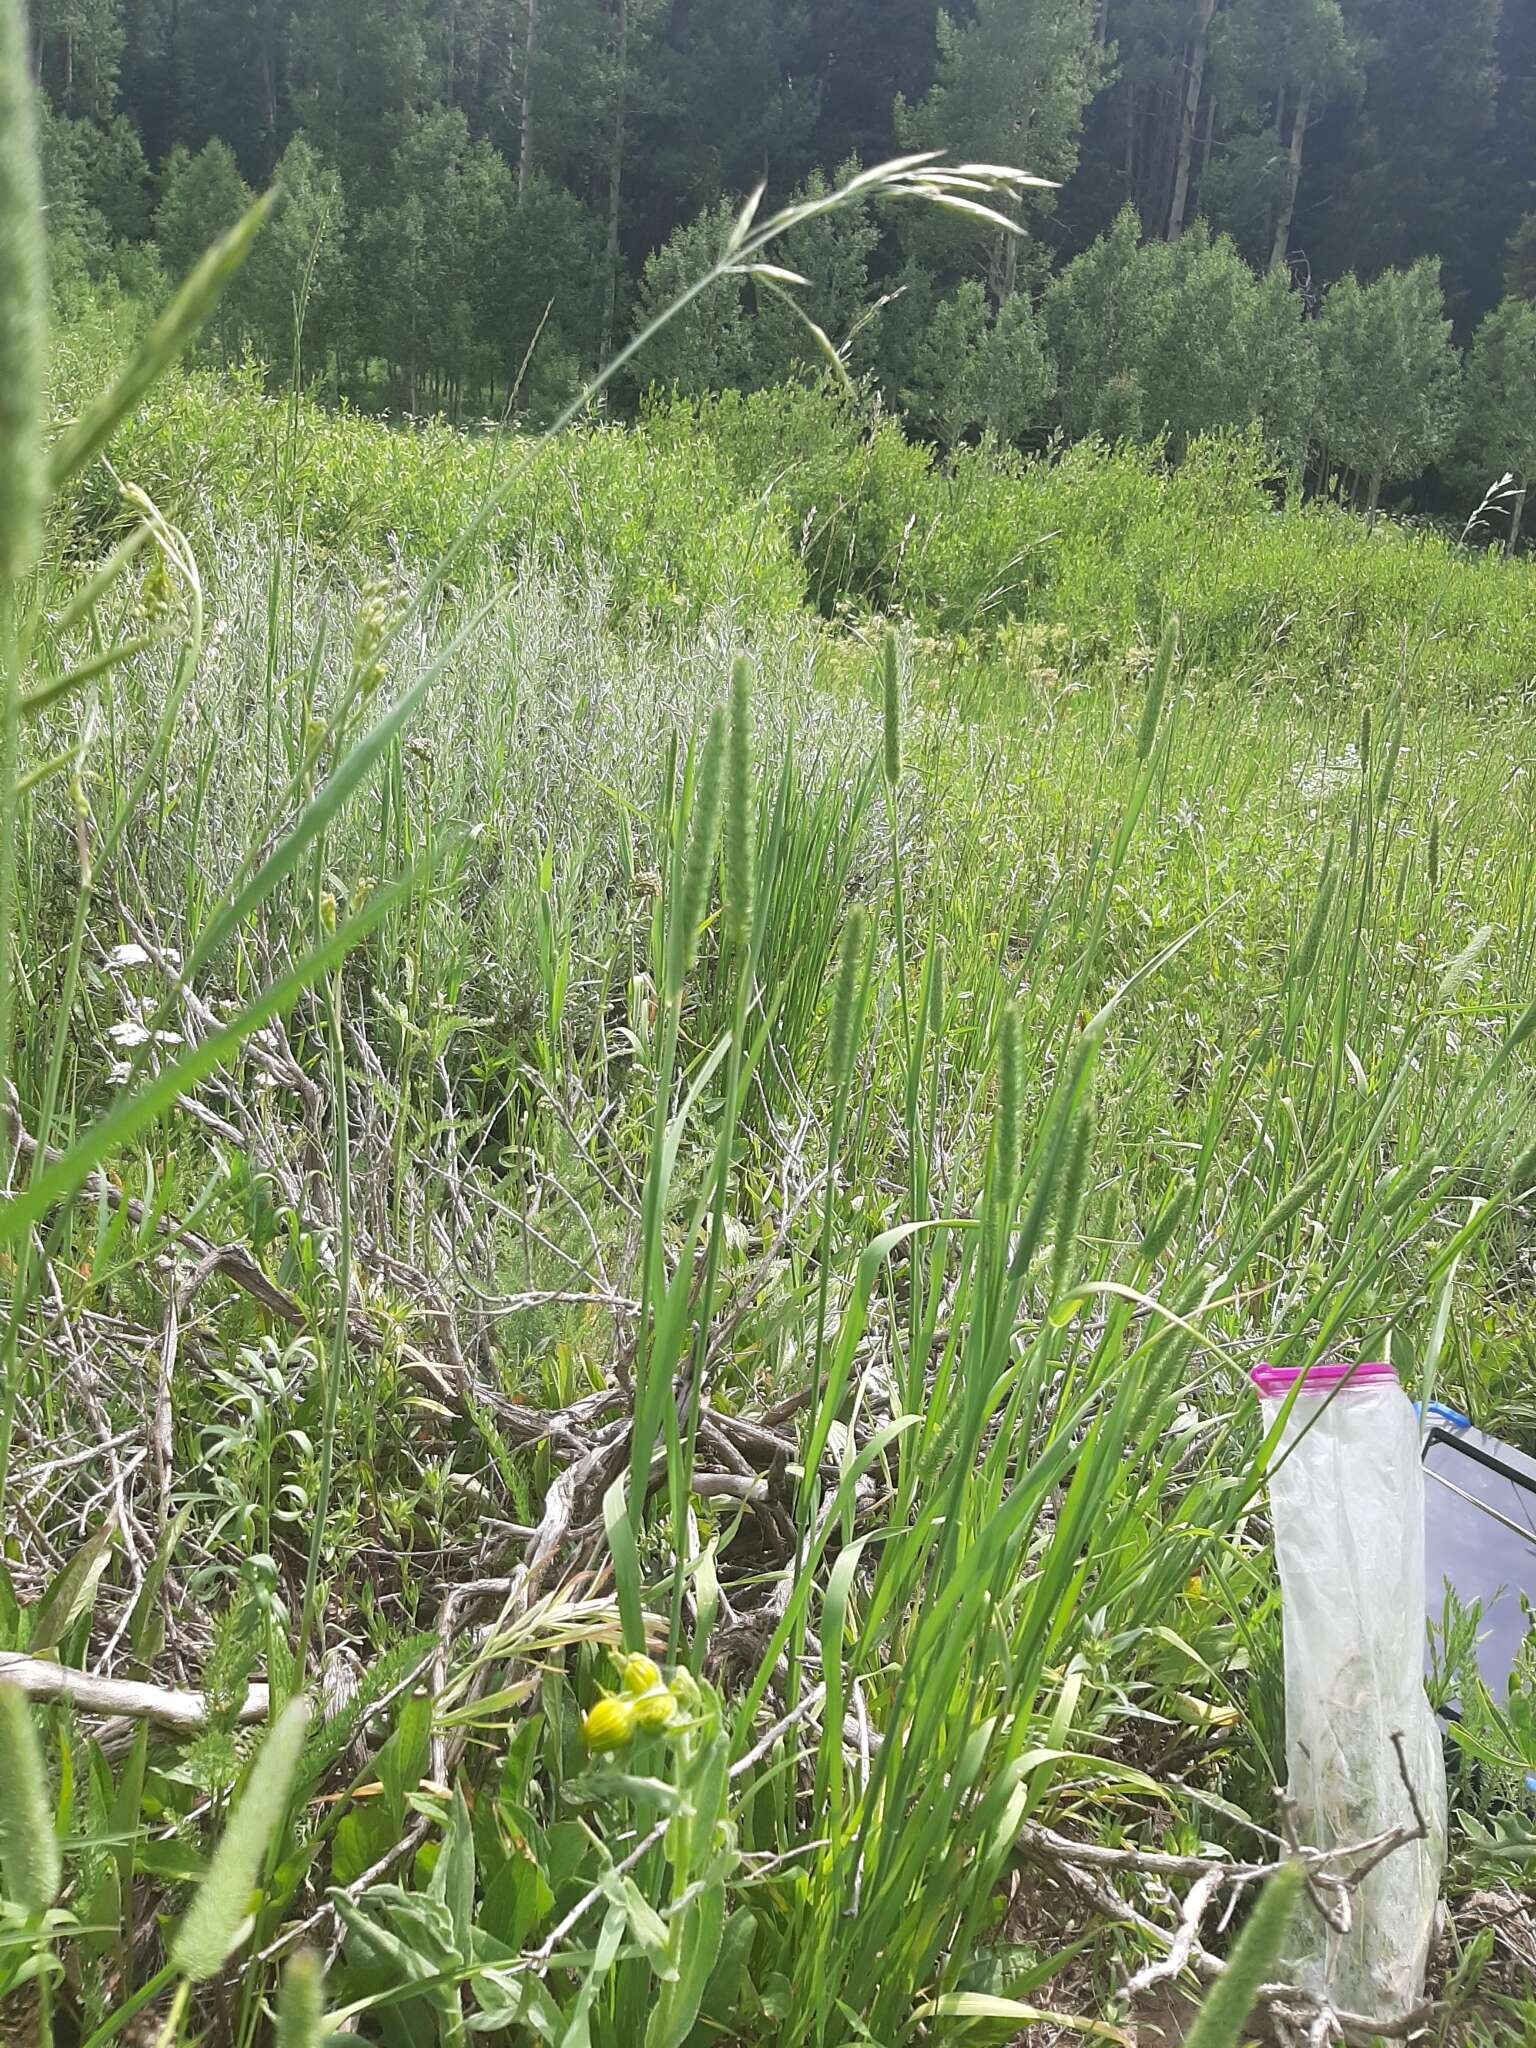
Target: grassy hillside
<point>799,496</point>
<point>789,1142</point>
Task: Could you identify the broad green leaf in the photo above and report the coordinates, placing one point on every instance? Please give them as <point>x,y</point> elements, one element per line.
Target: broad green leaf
<point>453,1875</point>
<point>73,1591</point>
<point>696,1939</point>
<point>983,2005</point>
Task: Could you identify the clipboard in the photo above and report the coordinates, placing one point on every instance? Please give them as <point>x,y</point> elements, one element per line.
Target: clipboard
<point>1480,1536</point>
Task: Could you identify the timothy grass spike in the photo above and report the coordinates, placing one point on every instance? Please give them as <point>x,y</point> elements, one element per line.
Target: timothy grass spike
<point>703,844</point>
<point>1074,1187</point>
<point>890,671</point>
<point>301,2003</point>
<point>23,306</point>
<point>740,848</point>
<point>1157,693</point>
<point>213,1922</point>
<point>1224,2013</point>
<point>29,1848</point>
<point>1522,1175</point>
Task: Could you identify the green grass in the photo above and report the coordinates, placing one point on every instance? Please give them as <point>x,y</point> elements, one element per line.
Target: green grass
<point>634,1112</point>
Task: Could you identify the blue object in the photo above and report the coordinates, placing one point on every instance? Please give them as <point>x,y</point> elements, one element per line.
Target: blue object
<point>1451,1417</point>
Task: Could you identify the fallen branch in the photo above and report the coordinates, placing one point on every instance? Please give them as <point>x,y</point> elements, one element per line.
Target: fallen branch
<point>128,1699</point>
<point>451,1382</point>
<point>1333,1876</point>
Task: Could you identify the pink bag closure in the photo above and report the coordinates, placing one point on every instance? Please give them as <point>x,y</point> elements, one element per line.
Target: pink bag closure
<point>1274,1382</point>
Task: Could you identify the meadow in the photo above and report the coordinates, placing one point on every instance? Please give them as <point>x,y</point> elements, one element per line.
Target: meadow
<point>647,1152</point>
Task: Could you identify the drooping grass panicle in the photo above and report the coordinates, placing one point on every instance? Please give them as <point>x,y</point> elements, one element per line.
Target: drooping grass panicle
<point>212,1925</point>
<point>23,306</point>
<point>703,844</point>
<point>29,1848</point>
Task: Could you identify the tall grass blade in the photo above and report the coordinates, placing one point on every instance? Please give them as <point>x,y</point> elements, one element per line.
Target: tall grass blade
<point>740,839</point>
<point>890,680</point>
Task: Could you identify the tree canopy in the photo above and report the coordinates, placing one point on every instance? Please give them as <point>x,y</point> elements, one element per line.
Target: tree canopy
<point>480,195</point>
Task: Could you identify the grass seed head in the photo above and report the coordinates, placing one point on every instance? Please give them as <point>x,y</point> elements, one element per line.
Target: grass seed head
<point>29,1848</point>
<point>301,2003</point>
<point>23,305</point>
<point>217,1919</point>
<point>890,670</point>
<point>845,996</point>
<point>740,849</point>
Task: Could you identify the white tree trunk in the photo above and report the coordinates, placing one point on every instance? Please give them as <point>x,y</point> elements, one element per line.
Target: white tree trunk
<point>525,132</point>
<point>1279,254</point>
<point>1189,114</point>
<point>616,175</point>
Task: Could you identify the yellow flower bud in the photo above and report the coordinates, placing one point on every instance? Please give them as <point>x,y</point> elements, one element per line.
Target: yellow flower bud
<point>609,1725</point>
<point>685,1689</point>
<point>639,1673</point>
<point>655,1710</point>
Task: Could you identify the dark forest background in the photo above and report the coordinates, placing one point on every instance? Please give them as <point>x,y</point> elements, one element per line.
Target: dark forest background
<point>484,196</point>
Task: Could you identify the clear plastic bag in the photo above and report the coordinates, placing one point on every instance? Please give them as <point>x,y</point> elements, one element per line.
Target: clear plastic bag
<point>1347,1495</point>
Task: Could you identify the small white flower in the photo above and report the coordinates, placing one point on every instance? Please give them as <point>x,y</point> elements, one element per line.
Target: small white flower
<point>131,1033</point>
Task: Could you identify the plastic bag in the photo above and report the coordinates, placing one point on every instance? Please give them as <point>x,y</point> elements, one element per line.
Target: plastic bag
<point>1346,1491</point>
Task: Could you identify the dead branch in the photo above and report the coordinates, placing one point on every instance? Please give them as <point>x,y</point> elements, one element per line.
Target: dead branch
<point>1333,1876</point>
<point>122,1698</point>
